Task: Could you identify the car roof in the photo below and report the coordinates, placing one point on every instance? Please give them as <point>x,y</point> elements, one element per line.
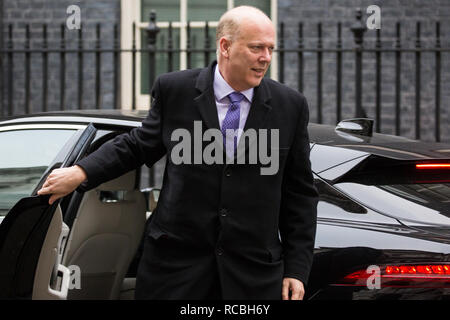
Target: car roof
<point>378,144</point>
<point>384,145</point>
<point>104,116</point>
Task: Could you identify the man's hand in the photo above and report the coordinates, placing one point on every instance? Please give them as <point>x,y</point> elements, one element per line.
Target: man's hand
<point>62,181</point>
<point>293,289</point>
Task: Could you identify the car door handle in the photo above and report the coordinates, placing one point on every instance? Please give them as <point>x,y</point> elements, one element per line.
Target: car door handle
<point>112,196</point>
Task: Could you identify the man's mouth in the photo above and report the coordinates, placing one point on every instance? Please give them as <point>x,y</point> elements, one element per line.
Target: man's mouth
<point>260,71</point>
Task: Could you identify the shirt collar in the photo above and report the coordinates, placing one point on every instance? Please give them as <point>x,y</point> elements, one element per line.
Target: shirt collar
<point>223,89</point>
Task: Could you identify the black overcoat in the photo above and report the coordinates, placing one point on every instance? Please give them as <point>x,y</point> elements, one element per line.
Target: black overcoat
<point>219,221</point>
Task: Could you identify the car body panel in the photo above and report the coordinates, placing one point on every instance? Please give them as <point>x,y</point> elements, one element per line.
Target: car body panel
<point>389,146</point>
<point>321,161</point>
<point>394,205</point>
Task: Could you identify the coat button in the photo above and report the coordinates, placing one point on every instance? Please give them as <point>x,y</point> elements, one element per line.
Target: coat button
<point>228,173</point>
<point>219,251</point>
<point>223,212</point>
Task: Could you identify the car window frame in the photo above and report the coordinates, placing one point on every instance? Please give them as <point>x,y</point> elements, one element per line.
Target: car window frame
<point>61,155</point>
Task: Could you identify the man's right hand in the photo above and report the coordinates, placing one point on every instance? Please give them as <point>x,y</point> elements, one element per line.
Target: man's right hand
<point>61,182</point>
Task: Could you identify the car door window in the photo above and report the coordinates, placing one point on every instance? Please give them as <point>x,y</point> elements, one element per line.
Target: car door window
<point>24,157</point>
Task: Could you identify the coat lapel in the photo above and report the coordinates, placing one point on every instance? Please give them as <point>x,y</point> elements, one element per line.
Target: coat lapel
<point>259,111</point>
<point>205,101</point>
<point>259,108</point>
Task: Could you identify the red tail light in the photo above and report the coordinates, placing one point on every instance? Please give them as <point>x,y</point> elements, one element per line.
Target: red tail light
<point>432,173</point>
<point>433,166</point>
<point>428,271</point>
<point>417,275</point>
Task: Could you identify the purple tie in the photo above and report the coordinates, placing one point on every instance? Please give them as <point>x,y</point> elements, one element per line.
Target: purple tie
<point>231,120</point>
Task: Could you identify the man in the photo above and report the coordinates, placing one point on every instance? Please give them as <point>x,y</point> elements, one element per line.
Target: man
<point>217,228</point>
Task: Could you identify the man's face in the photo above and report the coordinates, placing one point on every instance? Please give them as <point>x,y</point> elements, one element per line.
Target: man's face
<point>249,55</point>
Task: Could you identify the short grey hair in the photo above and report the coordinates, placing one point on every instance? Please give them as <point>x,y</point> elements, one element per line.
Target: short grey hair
<point>228,27</point>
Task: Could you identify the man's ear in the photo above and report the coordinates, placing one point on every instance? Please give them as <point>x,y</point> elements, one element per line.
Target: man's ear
<point>224,47</point>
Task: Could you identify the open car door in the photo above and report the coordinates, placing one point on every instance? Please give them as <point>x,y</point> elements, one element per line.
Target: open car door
<point>32,237</point>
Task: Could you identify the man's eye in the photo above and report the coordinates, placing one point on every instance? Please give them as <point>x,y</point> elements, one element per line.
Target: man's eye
<point>259,48</point>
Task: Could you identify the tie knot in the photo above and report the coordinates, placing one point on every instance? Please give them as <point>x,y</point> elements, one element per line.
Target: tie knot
<point>236,97</point>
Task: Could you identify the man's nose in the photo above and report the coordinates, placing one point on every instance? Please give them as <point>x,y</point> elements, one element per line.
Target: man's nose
<point>266,55</point>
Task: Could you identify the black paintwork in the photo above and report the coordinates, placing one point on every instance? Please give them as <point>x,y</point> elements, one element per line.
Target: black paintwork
<point>22,235</point>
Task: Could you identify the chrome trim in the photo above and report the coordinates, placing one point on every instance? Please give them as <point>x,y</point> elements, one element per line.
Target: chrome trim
<point>112,196</point>
<point>42,126</point>
<point>76,120</point>
<point>359,126</point>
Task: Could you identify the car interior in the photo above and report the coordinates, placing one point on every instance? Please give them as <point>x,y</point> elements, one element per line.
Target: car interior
<point>105,236</point>
<point>102,243</point>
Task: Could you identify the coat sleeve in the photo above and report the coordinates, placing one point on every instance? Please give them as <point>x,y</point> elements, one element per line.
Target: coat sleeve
<point>298,211</point>
<point>127,151</point>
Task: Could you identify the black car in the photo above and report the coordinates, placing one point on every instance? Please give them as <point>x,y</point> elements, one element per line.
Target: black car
<point>383,217</point>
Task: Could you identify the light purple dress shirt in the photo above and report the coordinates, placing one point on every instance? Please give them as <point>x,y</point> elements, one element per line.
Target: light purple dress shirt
<point>221,91</point>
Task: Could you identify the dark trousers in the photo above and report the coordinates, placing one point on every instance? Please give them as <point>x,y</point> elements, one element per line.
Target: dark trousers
<point>158,280</point>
